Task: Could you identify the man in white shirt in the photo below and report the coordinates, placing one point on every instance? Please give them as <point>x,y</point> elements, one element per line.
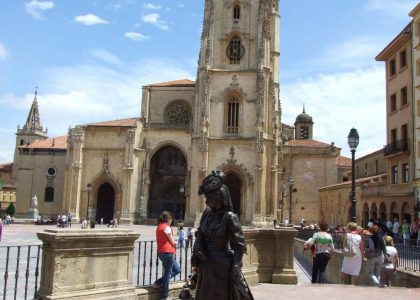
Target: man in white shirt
<point>396,228</point>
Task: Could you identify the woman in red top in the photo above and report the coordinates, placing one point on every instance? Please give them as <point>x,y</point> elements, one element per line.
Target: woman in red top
<point>166,253</point>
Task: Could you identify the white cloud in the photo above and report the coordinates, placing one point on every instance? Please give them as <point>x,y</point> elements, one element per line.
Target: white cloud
<point>90,20</point>
<point>155,20</point>
<point>136,36</point>
<point>35,8</point>
<point>83,94</point>
<point>152,6</point>
<point>3,52</point>
<point>105,56</point>
<point>338,102</point>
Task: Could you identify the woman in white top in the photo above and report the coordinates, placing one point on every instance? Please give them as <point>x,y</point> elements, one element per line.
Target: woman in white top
<point>352,265</point>
<point>389,267</point>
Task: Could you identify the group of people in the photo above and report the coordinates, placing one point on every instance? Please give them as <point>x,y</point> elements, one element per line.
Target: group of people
<point>8,219</point>
<point>370,245</point>
<point>64,220</point>
<point>217,251</point>
<point>185,237</point>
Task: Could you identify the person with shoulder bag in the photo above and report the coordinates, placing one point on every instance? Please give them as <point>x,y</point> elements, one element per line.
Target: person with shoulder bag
<point>353,255</point>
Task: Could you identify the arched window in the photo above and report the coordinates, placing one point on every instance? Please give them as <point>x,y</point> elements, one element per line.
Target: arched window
<point>21,142</point>
<point>232,116</point>
<point>237,12</point>
<point>235,50</point>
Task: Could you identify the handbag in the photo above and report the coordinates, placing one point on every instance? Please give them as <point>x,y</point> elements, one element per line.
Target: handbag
<point>349,249</point>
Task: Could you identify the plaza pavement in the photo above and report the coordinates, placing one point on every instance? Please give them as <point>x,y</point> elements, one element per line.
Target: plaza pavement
<point>26,234</point>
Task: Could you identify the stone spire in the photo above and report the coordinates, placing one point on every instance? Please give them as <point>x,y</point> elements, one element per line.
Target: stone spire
<point>33,123</point>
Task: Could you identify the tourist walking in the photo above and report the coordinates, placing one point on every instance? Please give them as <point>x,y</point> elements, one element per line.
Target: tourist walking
<point>351,265</point>
<point>181,237</point>
<point>390,265</point>
<point>396,228</point>
<point>374,252</point>
<point>166,249</point>
<point>324,247</point>
<point>414,227</point>
<point>405,230</point>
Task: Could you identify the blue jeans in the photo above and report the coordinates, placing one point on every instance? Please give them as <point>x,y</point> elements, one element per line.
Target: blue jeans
<point>170,269</point>
<point>320,262</point>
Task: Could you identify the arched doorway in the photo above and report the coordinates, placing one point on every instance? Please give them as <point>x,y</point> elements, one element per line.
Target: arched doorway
<point>105,203</point>
<point>374,211</point>
<point>234,184</point>
<point>394,211</point>
<point>365,214</point>
<point>405,213</point>
<point>168,169</point>
<point>382,211</point>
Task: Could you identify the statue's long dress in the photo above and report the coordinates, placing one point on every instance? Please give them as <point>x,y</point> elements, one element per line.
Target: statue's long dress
<point>220,239</point>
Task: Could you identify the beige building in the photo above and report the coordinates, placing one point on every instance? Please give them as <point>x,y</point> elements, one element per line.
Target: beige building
<point>415,48</point>
<point>229,118</point>
<point>7,186</point>
<point>386,185</point>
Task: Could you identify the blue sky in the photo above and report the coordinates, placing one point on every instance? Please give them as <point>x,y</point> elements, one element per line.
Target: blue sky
<point>89,59</point>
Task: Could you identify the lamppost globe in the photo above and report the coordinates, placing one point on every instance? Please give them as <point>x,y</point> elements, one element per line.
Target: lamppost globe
<point>353,139</point>
<point>353,142</point>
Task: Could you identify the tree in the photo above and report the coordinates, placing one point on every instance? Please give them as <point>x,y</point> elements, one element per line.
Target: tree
<point>10,210</point>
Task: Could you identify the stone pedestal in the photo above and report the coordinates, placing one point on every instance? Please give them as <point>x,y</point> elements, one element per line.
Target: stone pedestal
<point>32,214</point>
<point>87,264</point>
<point>269,257</point>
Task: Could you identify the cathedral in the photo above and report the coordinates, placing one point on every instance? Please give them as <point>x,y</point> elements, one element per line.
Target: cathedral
<point>229,118</point>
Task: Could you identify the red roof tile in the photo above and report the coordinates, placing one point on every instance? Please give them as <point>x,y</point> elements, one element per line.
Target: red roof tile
<point>181,82</point>
<point>343,161</point>
<point>117,123</point>
<point>7,167</point>
<point>59,142</point>
<point>306,143</point>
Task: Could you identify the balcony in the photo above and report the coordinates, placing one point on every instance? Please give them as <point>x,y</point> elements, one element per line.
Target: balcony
<point>396,147</point>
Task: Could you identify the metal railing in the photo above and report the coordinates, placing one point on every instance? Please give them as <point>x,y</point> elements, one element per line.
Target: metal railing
<point>408,250</point>
<point>396,147</point>
<point>20,268</point>
<point>147,267</point>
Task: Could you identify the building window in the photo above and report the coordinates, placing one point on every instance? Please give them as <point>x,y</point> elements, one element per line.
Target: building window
<point>235,50</point>
<point>49,194</point>
<point>393,135</point>
<point>405,175</point>
<point>393,102</point>
<point>376,167</point>
<point>403,59</point>
<point>404,100</point>
<point>394,174</point>
<point>232,118</point>
<point>237,12</point>
<point>366,169</point>
<point>392,69</point>
<point>304,133</point>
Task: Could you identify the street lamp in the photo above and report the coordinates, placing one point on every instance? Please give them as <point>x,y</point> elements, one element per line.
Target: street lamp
<point>282,189</point>
<point>88,189</point>
<point>291,182</point>
<point>182,190</point>
<point>353,141</point>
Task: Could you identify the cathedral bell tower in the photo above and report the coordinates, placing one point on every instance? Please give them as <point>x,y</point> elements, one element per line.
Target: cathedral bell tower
<point>31,131</point>
<point>237,117</point>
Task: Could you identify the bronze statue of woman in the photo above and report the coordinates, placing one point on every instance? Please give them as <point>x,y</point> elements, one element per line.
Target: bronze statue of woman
<point>219,245</point>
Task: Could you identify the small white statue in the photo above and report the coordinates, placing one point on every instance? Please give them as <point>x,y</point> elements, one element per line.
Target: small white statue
<point>34,203</point>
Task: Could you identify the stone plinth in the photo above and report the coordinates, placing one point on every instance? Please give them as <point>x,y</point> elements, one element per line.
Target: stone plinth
<point>87,264</point>
<point>270,256</point>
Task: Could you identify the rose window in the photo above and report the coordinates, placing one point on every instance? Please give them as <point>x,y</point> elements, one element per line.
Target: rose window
<point>179,114</point>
